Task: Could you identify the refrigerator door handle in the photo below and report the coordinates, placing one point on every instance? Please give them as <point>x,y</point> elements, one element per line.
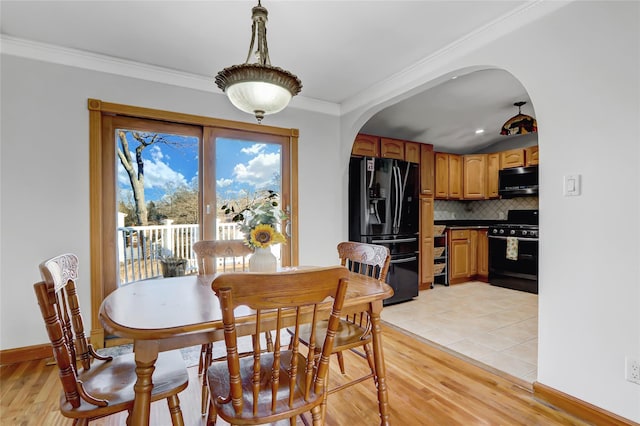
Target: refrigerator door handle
<point>396,205</point>
<point>373,171</point>
<point>403,185</point>
<point>399,240</point>
<point>405,260</point>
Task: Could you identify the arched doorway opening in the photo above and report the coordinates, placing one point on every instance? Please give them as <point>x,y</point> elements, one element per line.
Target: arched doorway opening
<point>462,116</point>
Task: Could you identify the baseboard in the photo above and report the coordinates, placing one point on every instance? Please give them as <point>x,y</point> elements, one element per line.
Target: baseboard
<point>581,409</point>
<point>27,353</point>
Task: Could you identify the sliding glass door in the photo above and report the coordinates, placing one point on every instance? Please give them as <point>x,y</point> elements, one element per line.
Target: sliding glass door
<point>240,167</point>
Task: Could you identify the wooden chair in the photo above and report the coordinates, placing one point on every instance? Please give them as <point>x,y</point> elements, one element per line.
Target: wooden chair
<point>283,383</point>
<point>354,331</point>
<point>219,256</point>
<point>222,255</point>
<point>104,386</point>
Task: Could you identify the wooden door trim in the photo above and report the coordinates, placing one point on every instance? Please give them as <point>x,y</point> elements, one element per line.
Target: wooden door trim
<point>99,207</point>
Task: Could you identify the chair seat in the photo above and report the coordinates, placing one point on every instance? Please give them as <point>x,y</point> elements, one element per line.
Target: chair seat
<point>348,335</point>
<point>113,381</point>
<point>218,378</point>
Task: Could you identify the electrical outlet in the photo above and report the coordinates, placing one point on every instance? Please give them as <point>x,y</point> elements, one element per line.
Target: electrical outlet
<point>632,370</point>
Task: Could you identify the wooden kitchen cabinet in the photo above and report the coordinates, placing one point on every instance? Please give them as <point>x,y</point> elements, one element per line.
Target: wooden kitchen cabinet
<point>531,156</point>
<point>427,169</point>
<point>459,254</point>
<point>493,168</point>
<point>392,148</point>
<point>473,252</point>
<point>426,242</point>
<point>455,176</point>
<point>366,146</point>
<point>448,176</point>
<point>441,161</point>
<point>468,255</point>
<point>483,255</point>
<point>412,152</point>
<point>512,158</point>
<point>474,177</point>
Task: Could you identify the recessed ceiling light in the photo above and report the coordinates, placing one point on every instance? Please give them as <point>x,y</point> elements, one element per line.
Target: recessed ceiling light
<point>479,131</point>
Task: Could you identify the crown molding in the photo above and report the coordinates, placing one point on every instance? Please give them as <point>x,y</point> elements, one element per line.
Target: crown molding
<point>430,68</point>
<point>410,78</point>
<point>102,63</point>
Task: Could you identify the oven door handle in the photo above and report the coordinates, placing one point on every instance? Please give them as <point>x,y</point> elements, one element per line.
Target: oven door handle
<point>405,260</point>
<point>399,240</point>
<point>519,238</point>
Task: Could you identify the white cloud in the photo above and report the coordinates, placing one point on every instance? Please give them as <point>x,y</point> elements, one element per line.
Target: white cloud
<point>259,171</point>
<point>222,182</point>
<point>254,149</point>
<point>157,174</point>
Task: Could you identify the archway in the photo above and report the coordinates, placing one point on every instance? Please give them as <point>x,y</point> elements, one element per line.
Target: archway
<point>447,113</point>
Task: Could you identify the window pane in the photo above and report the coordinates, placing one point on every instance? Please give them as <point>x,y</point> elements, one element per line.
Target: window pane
<point>245,171</point>
<point>157,203</point>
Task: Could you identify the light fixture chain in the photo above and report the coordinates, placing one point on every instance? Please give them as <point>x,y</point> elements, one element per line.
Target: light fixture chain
<point>253,39</point>
<point>262,42</point>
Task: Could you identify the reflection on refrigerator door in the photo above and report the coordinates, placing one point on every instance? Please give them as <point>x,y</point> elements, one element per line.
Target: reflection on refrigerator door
<point>403,278</point>
<point>383,197</point>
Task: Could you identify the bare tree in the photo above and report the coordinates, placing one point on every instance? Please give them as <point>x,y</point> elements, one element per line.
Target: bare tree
<point>136,175</point>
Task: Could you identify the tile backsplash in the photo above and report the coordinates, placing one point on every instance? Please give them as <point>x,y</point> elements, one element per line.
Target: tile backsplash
<point>481,210</point>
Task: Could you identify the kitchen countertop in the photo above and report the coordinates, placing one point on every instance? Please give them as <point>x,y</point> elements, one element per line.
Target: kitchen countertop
<point>468,227</point>
<point>483,223</point>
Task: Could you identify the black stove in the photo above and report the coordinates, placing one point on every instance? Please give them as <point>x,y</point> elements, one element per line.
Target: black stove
<point>519,224</point>
<point>513,251</point>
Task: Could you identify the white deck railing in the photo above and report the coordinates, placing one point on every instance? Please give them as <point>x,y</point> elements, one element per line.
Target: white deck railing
<point>141,249</point>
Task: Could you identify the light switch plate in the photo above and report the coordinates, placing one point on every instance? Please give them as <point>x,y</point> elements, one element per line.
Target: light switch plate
<point>572,186</point>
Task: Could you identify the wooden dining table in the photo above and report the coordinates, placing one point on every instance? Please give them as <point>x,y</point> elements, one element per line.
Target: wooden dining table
<point>172,313</point>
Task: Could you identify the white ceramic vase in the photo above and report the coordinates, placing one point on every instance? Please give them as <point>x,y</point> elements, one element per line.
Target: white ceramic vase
<point>262,260</point>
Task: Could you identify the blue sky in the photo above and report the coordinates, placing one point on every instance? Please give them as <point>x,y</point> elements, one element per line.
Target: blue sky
<point>241,166</point>
<point>245,166</point>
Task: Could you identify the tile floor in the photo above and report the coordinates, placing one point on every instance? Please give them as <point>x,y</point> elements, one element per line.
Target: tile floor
<point>496,326</point>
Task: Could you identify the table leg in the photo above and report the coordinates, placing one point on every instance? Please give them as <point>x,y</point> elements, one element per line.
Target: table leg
<point>378,357</point>
<point>146,354</point>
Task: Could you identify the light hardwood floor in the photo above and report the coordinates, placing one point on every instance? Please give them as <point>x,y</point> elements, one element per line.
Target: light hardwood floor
<point>427,386</point>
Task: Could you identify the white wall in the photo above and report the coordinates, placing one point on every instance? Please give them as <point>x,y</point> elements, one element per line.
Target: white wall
<point>45,175</point>
<point>580,65</point>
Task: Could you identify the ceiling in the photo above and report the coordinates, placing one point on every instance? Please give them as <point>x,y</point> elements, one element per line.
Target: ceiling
<point>339,49</point>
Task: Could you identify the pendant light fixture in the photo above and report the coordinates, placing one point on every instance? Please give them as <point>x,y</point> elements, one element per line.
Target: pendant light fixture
<point>258,88</point>
<point>519,124</point>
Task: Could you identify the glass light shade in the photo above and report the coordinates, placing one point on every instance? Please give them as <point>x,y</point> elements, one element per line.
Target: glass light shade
<point>519,124</point>
<point>258,97</point>
<point>258,89</point>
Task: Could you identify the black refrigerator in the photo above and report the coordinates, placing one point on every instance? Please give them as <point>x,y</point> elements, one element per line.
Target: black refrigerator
<point>384,210</point>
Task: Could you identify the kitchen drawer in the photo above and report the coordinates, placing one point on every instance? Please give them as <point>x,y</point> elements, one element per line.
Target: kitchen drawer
<point>459,234</point>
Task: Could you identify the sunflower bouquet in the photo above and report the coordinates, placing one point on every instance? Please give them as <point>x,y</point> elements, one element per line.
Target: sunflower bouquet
<point>259,220</point>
